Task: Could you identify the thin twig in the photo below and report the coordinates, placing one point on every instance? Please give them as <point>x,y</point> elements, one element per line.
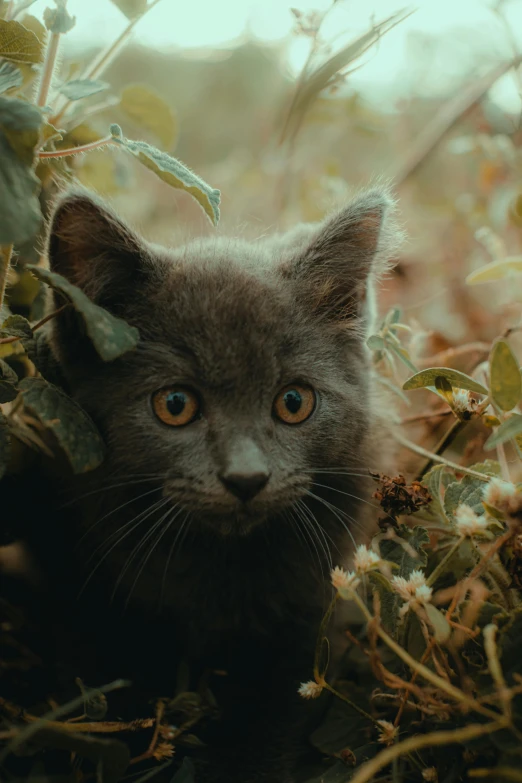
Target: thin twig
<point>444,443</point>
<point>48,69</point>
<point>408,444</point>
<point>434,738</point>
<point>14,338</point>
<point>93,145</point>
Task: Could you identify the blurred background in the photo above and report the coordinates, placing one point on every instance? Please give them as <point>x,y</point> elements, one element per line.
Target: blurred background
<point>290,108</point>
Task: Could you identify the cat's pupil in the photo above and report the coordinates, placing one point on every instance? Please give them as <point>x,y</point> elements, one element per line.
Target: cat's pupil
<point>293,401</point>
<point>176,402</point>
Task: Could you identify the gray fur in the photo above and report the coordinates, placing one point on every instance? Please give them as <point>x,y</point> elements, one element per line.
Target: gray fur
<point>235,321</point>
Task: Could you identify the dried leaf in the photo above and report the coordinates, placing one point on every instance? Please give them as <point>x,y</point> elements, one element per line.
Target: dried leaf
<point>173,172</point>
<point>18,44</point>
<point>72,427</point>
<point>426,378</point>
<point>505,379</point>
<point>111,336</point>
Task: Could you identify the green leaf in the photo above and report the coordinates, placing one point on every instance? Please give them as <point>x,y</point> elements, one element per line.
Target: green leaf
<point>111,336</point>
<point>434,480</point>
<point>5,444</point>
<point>150,111</point>
<point>458,380</point>
<point>375,342</point>
<point>8,392</point>
<point>445,388</point>
<point>7,373</point>
<point>131,8</point>
<point>58,20</point>
<point>505,380</point>
<point>402,353</point>
<point>74,430</point>
<point>18,44</point>
<point>76,89</point>
<point>408,551</point>
<point>20,215</point>
<point>173,172</point>
<point>10,77</point>
<point>497,270</point>
<point>470,489</point>
<point>507,430</point>
<point>16,326</point>
<point>21,122</point>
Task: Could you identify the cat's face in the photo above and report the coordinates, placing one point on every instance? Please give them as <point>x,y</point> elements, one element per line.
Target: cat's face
<point>251,376</point>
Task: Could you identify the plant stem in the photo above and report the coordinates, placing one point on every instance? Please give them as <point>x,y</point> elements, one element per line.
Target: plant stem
<point>440,568</point>
<point>102,61</point>
<point>48,69</point>
<point>6,253</point>
<point>446,441</point>
<point>370,768</point>
<point>422,670</point>
<point>93,145</point>
<point>350,703</point>
<point>437,458</point>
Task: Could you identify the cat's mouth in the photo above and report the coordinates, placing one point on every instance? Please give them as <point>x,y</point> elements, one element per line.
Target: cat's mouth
<point>237,518</point>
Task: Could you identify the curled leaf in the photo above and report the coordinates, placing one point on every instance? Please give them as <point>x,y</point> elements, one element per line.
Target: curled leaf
<point>459,380</point>
<point>172,171</point>
<point>505,378</point>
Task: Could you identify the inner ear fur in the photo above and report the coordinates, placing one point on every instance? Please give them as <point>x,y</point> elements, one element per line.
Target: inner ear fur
<point>95,250</point>
<point>336,269</point>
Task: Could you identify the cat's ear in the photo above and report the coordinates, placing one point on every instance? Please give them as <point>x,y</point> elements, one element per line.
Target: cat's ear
<point>337,265</point>
<point>91,247</point>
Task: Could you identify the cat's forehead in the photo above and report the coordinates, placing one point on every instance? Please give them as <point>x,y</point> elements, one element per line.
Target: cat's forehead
<point>232,310</point>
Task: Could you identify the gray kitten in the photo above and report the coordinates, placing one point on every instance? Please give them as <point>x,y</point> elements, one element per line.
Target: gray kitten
<point>240,433</point>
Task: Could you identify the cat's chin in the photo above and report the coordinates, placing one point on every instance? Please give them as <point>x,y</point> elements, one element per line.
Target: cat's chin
<point>238,523</point>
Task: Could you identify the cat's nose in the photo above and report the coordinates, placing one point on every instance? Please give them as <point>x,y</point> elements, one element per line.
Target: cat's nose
<point>245,485</point>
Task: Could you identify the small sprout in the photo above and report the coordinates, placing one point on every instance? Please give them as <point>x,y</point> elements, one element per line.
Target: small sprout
<point>467,523</point>
<point>344,581</point>
<point>413,590</point>
<point>388,733</point>
<point>365,560</point>
<point>430,775</point>
<point>310,690</point>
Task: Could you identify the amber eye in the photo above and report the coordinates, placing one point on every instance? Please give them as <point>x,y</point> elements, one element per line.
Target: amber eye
<point>294,404</point>
<point>175,407</point>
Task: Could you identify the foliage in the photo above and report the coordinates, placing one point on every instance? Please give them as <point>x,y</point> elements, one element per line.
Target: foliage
<point>431,689</point>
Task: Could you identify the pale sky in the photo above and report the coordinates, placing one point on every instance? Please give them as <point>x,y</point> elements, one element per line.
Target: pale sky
<point>468,31</point>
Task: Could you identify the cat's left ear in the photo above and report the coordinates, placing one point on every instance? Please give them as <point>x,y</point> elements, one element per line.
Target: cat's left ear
<point>336,268</point>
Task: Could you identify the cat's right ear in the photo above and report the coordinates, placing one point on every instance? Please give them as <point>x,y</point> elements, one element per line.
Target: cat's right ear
<point>96,251</point>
